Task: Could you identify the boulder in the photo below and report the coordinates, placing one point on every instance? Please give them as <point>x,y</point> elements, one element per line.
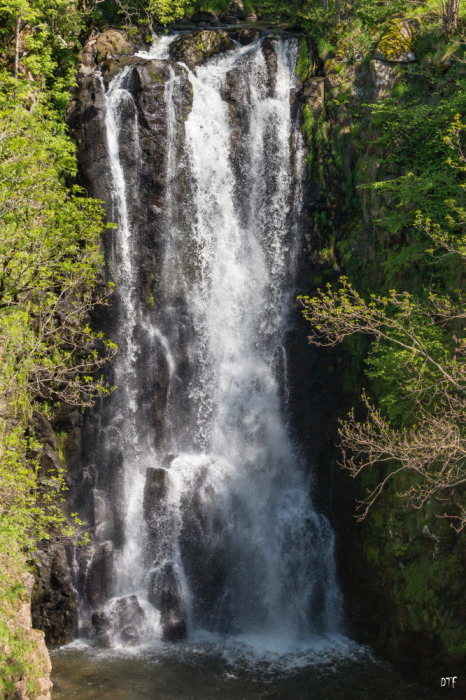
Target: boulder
<point>129,635</point>
<point>396,43</point>
<point>234,13</point>
<point>205,18</point>
<point>196,47</point>
<point>54,603</point>
<point>165,594</point>
<point>383,78</point>
<point>102,624</point>
<point>128,612</point>
<point>121,622</point>
<point>111,44</point>
<point>245,35</point>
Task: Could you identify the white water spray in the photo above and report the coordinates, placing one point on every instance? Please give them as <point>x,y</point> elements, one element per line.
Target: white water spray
<point>232,540</point>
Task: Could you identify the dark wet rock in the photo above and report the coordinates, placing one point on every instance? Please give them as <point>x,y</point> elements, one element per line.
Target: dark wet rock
<point>102,624</point>
<point>128,612</point>
<point>43,430</point>
<point>54,599</point>
<point>168,458</point>
<point>203,542</point>
<point>196,47</point>
<point>155,489</point>
<point>165,594</point>
<point>100,576</point>
<point>146,83</point>
<point>245,35</point>
<point>50,463</point>
<point>205,19</point>
<point>68,420</point>
<point>104,527</point>
<point>85,117</point>
<point>120,622</point>
<point>130,636</point>
<point>269,50</point>
<point>46,453</point>
<point>112,66</point>
<point>234,13</point>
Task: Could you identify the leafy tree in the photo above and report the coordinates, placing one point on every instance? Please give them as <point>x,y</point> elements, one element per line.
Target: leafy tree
<point>415,421</point>
<point>40,41</point>
<point>424,366</point>
<point>151,12</point>
<point>49,255</point>
<point>417,362</point>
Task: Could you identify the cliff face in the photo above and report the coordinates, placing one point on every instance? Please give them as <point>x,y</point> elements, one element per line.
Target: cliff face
<point>396,598</point>
<point>23,653</point>
<point>143,124</point>
<point>158,103</point>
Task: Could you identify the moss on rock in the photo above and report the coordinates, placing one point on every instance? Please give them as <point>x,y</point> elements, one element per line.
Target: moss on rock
<point>111,44</point>
<point>196,47</point>
<point>396,43</point>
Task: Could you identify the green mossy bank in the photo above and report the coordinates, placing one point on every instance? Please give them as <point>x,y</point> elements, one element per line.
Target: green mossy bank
<point>380,105</point>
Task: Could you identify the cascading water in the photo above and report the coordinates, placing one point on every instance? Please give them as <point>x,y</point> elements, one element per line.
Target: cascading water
<point>216,528</point>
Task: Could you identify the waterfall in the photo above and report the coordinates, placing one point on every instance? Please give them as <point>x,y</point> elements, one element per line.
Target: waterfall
<point>213,525</point>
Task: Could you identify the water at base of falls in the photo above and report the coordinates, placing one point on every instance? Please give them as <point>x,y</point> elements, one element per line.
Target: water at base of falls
<point>216,528</point>
<point>207,671</point>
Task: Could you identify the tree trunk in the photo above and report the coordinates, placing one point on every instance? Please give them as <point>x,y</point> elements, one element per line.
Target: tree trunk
<point>450,9</point>
<point>17,40</point>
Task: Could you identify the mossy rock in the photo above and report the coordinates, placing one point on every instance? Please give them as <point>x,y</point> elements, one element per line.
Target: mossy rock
<point>396,43</point>
<point>112,44</point>
<point>196,47</point>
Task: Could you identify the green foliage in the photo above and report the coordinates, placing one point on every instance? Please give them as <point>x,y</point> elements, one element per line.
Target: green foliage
<point>403,378</point>
<point>40,40</point>
<point>374,12</point>
<point>49,255</point>
<point>404,229</point>
<point>415,140</point>
<point>304,65</point>
<point>212,5</point>
<point>154,12</point>
<point>50,262</point>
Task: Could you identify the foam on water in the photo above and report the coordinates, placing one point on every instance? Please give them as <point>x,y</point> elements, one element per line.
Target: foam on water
<point>159,49</point>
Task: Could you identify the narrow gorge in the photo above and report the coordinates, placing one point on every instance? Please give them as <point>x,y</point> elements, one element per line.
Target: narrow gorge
<point>232,349</point>
<point>205,477</point>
